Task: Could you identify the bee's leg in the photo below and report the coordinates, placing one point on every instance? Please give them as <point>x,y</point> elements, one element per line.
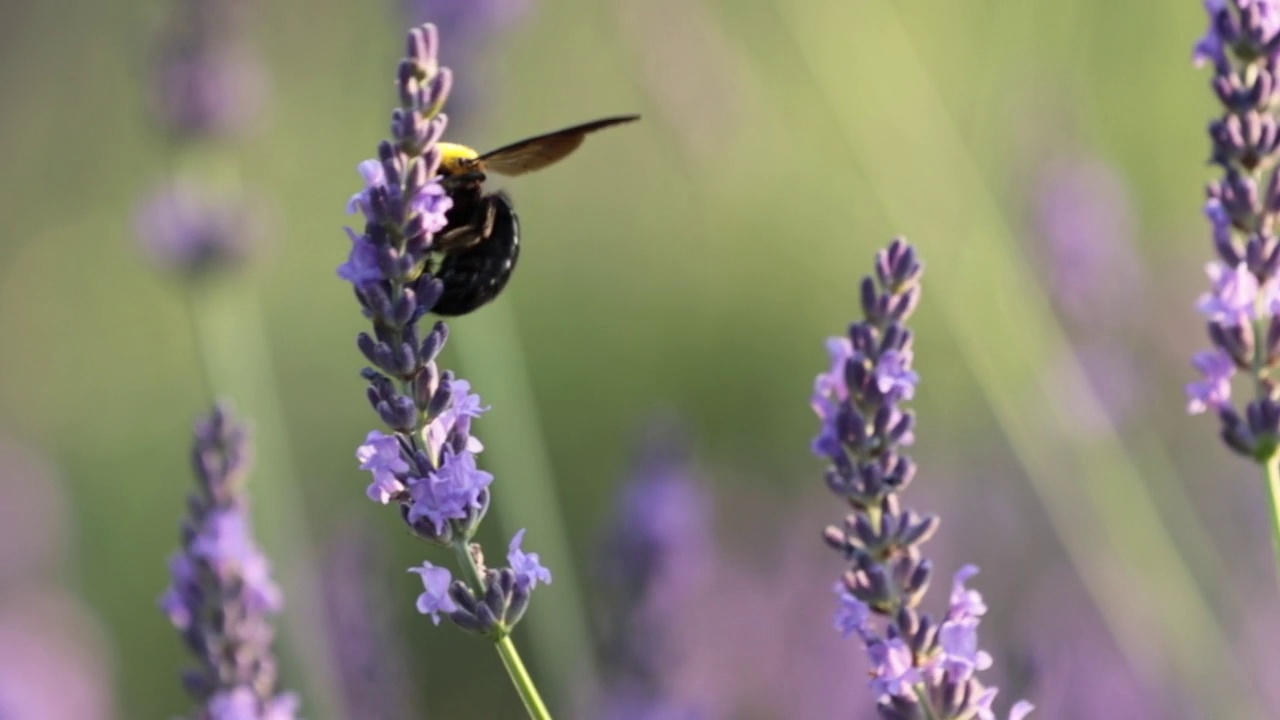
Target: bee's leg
<point>489,216</point>
<point>455,238</point>
<point>478,229</point>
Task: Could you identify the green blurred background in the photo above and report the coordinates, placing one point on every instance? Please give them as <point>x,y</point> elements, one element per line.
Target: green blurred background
<point>693,264</point>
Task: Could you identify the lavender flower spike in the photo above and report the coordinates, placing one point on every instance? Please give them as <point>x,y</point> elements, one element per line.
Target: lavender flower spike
<point>1242,308</point>
<point>206,82</point>
<point>1243,47</point>
<point>921,667</point>
<point>221,595</point>
<point>655,555</point>
<point>425,460</point>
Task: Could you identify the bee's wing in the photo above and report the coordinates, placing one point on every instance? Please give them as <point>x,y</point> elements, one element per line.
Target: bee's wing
<point>538,152</point>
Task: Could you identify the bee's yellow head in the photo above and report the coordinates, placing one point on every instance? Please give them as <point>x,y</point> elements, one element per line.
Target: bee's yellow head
<point>456,159</point>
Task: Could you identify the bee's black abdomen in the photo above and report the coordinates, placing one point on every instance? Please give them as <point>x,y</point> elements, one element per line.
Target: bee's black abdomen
<point>475,275</point>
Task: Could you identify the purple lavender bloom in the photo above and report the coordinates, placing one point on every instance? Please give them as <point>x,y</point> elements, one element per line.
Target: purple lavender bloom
<point>435,595</point>
<point>915,660</point>
<point>380,455</point>
<point>1214,390</point>
<point>453,491</point>
<point>852,615</point>
<point>1243,47</point>
<point>965,603</point>
<point>1086,222</point>
<point>893,664</point>
<point>426,464</point>
<point>366,644</point>
<point>222,596</point>
<point>1235,295</point>
<point>528,570</point>
<point>894,377</point>
<point>183,227</point>
<point>54,659</point>
<point>1095,276</point>
<point>206,83</point>
<point>241,703</point>
<point>361,267</point>
<point>655,554</point>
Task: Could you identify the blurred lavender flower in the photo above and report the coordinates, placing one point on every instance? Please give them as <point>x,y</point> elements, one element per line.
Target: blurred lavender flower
<point>427,463</point>
<point>371,663</point>
<point>1095,279</point>
<point>222,595</point>
<point>470,25</point>
<point>205,84</point>
<point>657,548</point>
<point>54,660</point>
<point>1243,47</point>
<point>205,80</point>
<point>1086,221</point>
<point>183,227</point>
<point>1077,671</point>
<point>921,668</point>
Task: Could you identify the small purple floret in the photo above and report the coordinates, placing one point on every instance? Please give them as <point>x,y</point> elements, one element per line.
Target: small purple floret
<point>361,267</point>
<point>1234,296</point>
<point>381,455</point>
<point>434,599</point>
<point>894,377</point>
<point>892,663</point>
<point>529,571</point>
<point>852,615</point>
<point>1213,391</point>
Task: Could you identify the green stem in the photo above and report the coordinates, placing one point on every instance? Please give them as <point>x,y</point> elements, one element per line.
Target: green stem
<point>516,670</point>
<point>1272,465</point>
<point>520,678</point>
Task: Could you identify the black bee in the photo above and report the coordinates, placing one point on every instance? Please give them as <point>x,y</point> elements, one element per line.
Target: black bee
<point>480,243</point>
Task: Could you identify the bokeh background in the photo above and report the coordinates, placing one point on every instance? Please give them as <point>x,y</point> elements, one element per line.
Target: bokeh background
<point>1046,158</point>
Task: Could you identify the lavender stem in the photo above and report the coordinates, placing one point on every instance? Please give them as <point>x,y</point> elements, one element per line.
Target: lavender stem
<point>520,677</point>
<point>1273,496</point>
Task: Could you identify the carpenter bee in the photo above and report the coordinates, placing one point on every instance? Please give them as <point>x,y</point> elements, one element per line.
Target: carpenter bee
<point>480,242</point>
